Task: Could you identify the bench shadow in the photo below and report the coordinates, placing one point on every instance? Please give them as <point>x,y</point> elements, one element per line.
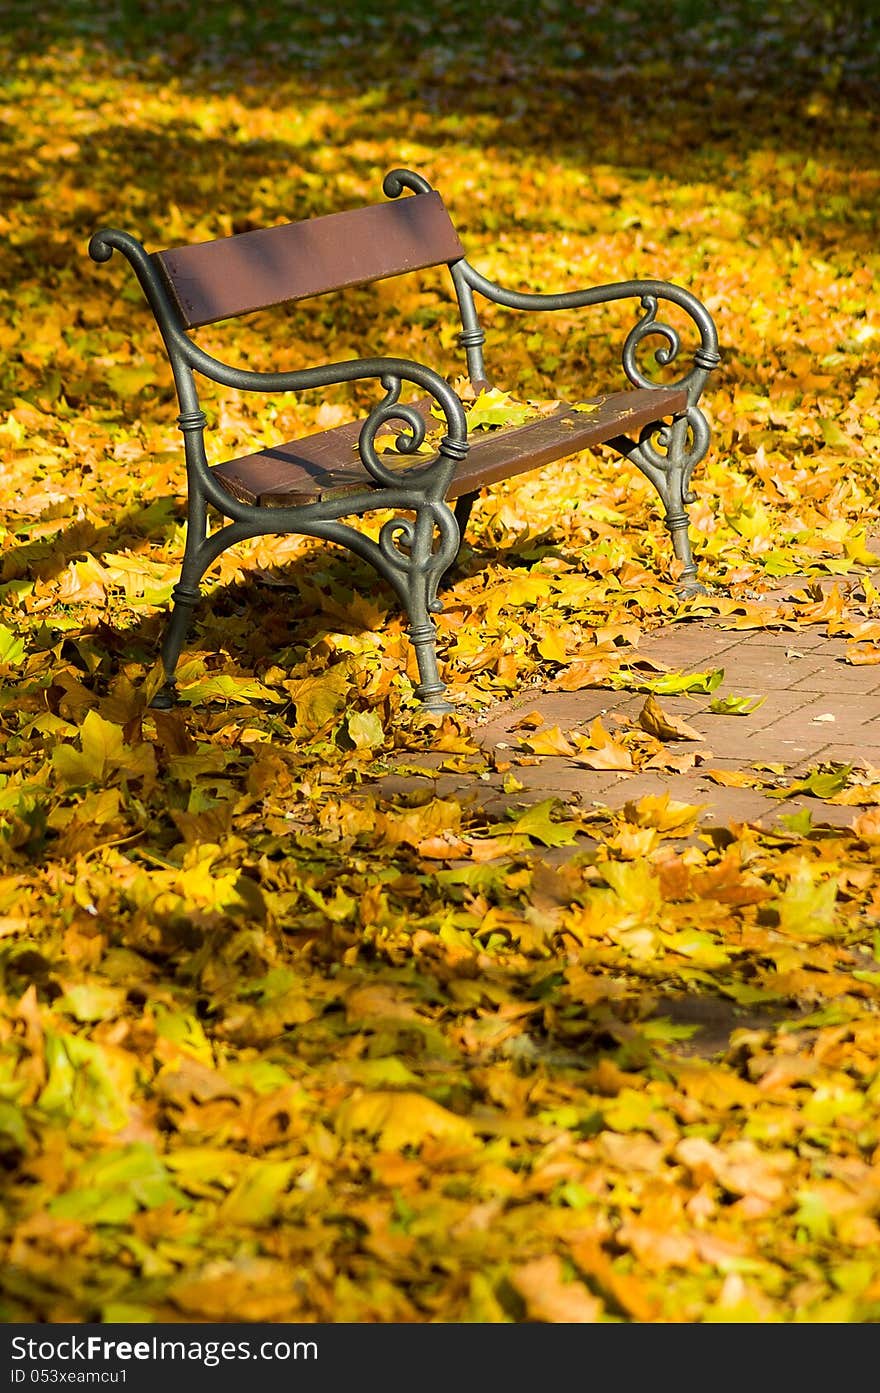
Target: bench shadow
<point>134,530</point>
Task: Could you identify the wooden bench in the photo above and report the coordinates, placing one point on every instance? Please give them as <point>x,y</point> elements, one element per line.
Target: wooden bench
<point>308,486</point>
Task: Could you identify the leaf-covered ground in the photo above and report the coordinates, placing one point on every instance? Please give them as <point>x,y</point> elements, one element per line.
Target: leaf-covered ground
<point>277,1045</point>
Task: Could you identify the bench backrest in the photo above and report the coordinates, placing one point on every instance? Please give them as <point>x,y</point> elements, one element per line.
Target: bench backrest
<point>256,270</point>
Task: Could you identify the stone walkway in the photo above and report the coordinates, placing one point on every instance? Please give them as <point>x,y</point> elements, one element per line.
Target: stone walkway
<point>817,710</point>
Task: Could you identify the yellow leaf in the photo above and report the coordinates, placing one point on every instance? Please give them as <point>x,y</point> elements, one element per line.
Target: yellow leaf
<point>530,721</point>
<point>655,721</point>
<point>443,848</point>
<point>82,581</point>
<point>321,698</point>
<point>663,813</point>
<point>733,778</point>
<point>599,750</point>
<point>365,730</point>
<point>807,906</point>
<point>611,756</point>
<point>867,826</point>
<point>549,742</point>
<point>553,647</point>
<point>863,654</point>
<point>584,673</point>
<point>401,1119</point>
<point>413,826</point>
<point>496,408</point>
<point>102,742</point>
<point>129,381</point>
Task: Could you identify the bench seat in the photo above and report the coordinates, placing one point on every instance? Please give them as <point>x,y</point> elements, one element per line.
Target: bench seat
<point>326,465</point>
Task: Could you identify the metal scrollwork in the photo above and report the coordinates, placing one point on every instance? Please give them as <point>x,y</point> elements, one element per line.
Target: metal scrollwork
<point>408,547</point>
<point>392,534</point>
<point>679,449</point>
<point>408,443</point>
<point>649,327</point>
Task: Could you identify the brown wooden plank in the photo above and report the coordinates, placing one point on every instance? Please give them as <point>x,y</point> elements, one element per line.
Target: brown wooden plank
<point>327,466</point>
<point>273,265</point>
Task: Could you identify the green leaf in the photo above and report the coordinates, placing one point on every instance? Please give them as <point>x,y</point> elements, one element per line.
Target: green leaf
<point>661,1028</point>
<point>496,408</point>
<point>801,823</point>
<point>225,687</point>
<point>735,705</point>
<point>821,783</point>
<point>12,1126</point>
<point>832,433</point>
<point>669,683</point>
<point>11,646</point>
<point>92,1001</point>
<point>257,1193</point>
<point>538,824</point>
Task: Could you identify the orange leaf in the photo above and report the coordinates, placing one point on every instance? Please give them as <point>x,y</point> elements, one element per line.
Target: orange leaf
<point>548,1297</point>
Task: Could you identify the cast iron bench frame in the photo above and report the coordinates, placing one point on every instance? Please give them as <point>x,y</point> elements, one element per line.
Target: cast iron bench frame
<point>308,485</point>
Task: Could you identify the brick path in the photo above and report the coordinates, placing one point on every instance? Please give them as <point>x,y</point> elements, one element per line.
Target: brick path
<point>818,709</point>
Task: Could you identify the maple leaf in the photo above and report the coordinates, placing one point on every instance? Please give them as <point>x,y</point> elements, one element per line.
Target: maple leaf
<point>735,705</point>
<point>402,1119</point>
<point>494,407</point>
<point>664,813</point>
<point>538,824</point>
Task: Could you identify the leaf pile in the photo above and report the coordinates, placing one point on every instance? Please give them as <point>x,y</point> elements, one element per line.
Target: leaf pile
<point>281,1044</point>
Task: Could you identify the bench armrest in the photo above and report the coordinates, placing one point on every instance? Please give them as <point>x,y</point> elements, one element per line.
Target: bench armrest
<point>649,292</point>
<point>187,357</point>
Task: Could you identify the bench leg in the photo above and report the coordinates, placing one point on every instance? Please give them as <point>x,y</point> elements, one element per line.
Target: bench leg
<point>185,601</point>
<point>463,508</point>
<point>431,688</point>
<point>680,461</point>
<point>415,568</point>
<point>185,596</point>
<point>684,443</point>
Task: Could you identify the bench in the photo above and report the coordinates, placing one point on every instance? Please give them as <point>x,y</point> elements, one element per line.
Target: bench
<point>310,485</point>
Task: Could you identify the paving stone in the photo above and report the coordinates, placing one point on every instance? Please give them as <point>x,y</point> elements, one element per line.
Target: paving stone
<point>721,805</point>
<point>843,677</point>
<point>774,705</point>
<point>859,754</point>
<point>747,748</point>
<point>565,709</point>
<point>686,649</point>
<point>800,640</point>
<point>852,719</point>
<point>771,672</point>
<point>783,730</point>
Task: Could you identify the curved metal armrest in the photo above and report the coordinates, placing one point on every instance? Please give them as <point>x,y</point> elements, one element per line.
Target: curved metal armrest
<point>391,372</point>
<point>649,292</point>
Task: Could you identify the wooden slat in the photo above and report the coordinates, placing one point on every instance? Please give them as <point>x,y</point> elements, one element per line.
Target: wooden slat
<point>327,466</point>
<point>273,265</point>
